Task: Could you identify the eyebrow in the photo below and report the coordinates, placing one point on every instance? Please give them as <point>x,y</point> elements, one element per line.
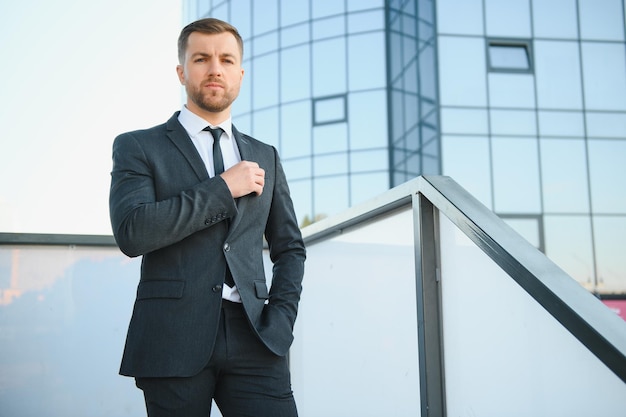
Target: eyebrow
<point>204,54</point>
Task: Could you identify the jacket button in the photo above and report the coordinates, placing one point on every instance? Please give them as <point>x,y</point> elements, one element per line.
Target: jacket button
<point>226,247</point>
<point>207,222</point>
<point>217,288</point>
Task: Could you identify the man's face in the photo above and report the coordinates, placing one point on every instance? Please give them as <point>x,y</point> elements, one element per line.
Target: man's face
<point>211,74</point>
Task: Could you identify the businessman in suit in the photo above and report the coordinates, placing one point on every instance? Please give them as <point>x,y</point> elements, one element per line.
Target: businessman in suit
<point>204,324</point>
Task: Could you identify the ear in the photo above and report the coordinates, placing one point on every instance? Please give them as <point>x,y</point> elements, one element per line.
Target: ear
<point>180,70</point>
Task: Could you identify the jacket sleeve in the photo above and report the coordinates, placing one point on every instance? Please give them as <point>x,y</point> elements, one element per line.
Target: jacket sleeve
<point>140,222</point>
<point>287,252</point>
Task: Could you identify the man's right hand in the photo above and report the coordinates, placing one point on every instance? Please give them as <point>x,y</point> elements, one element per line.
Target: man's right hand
<point>244,178</point>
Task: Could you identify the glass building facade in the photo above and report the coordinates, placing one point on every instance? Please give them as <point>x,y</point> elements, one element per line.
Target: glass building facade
<point>521,102</point>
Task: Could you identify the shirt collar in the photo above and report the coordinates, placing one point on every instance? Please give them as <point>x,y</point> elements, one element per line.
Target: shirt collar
<point>194,124</point>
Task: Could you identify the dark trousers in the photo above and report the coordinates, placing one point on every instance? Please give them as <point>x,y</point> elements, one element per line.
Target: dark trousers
<point>243,376</point>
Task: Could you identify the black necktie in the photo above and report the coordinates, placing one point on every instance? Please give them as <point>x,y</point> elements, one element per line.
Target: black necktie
<point>218,164</point>
<point>218,160</point>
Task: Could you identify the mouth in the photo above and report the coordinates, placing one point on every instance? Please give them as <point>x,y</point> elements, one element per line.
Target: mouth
<point>213,84</point>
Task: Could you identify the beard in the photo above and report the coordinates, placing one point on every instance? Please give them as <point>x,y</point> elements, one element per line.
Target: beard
<point>211,102</point>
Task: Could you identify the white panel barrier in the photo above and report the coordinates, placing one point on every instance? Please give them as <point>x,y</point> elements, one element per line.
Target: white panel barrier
<point>504,354</point>
<point>63,317</point>
<point>356,336</point>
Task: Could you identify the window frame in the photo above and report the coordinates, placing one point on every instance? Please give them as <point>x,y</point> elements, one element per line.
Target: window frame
<point>514,43</point>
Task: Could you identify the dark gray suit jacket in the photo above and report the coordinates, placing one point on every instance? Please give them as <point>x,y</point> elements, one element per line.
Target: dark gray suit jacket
<point>164,206</point>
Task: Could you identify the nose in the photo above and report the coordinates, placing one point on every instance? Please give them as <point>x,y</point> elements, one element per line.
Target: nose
<point>215,67</point>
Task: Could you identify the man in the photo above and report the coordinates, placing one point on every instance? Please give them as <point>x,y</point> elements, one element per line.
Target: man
<point>192,337</point>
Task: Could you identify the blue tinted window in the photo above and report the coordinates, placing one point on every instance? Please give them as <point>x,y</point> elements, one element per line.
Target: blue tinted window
<point>508,18</point>
<point>555,19</point>
<point>606,125</point>
<point>368,116</point>
<point>462,71</point>
<point>264,15</point>
<point>293,11</point>
<point>460,17</point>
<point>511,90</point>
<point>513,122</point>
<point>557,70</point>
<point>569,245</point>
<point>295,73</point>
<point>607,172</point>
<point>601,20</point>
<point>516,175</point>
<point>295,129</point>
<point>366,57</point>
<point>329,27</point>
<point>564,176</point>
<point>467,160</point>
<point>610,239</point>
<point>604,71</point>
<point>561,123</point>
<point>328,139</point>
<point>329,67</point>
<point>265,81</point>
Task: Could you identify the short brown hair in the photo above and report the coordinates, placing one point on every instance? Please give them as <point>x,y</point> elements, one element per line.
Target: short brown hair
<point>209,26</point>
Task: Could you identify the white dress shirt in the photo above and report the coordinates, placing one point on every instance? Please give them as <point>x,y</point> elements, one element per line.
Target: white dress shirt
<point>203,141</point>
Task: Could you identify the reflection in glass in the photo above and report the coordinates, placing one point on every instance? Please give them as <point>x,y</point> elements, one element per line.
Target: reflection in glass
<point>297,168</point>
<point>464,121</point>
<point>265,80</point>
<point>326,8</point>
<point>364,186</point>
<point>561,123</point>
<point>367,161</point>
<point>460,17</point>
<point>606,125</point>
<point>64,311</point>
<point>368,116</point>
<point>569,245</point>
<point>330,138</point>
<point>513,122</point>
<point>555,19</point>
<point>295,74</point>
<point>366,21</point>
<point>264,126</point>
<point>462,71</point>
<point>294,35</point>
<point>508,18</point>
<point>329,27</point>
<point>295,129</point>
<point>467,160</point>
<point>601,20</point>
<point>516,175</point>
<point>331,195</point>
<point>511,90</point>
<point>604,71</point>
<point>329,65</point>
<point>610,239</point>
<point>293,11</point>
<point>264,15</point>
<point>557,69</point>
<point>564,176</point>
<point>363,51</point>
<point>607,173</point>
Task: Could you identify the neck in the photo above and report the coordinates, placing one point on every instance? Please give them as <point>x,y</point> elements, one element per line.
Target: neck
<point>214,118</point>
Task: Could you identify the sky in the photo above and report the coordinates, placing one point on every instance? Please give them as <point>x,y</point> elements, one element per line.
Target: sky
<point>74,75</point>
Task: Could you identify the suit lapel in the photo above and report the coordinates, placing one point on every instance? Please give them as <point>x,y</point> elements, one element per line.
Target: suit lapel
<point>178,135</point>
<point>247,154</point>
